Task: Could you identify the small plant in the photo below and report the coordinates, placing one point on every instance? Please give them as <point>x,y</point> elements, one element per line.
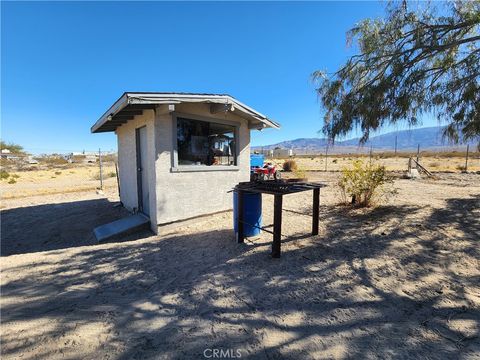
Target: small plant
<point>290,165</point>
<point>112,174</point>
<point>4,174</point>
<point>334,161</point>
<point>15,176</point>
<point>434,164</point>
<point>58,172</point>
<point>461,168</point>
<point>364,183</point>
<point>300,173</point>
<point>12,181</point>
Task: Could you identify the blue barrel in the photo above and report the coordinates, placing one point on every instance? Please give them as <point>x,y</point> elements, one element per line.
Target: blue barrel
<point>252,213</point>
<point>256,160</point>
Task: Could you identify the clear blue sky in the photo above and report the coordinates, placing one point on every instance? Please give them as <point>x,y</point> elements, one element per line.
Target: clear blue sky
<point>64,64</point>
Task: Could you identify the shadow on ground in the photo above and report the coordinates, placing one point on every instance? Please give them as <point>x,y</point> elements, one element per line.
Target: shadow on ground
<point>55,226</point>
<point>371,285</point>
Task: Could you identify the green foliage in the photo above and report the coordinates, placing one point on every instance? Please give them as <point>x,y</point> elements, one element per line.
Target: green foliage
<point>12,181</point>
<point>365,183</point>
<point>290,165</point>
<point>111,174</point>
<point>415,61</point>
<point>14,148</point>
<point>4,174</point>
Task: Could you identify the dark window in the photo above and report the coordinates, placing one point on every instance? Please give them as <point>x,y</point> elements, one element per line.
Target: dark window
<point>205,143</point>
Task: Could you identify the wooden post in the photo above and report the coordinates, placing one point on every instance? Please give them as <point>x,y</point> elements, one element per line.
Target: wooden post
<point>240,217</point>
<point>466,159</point>
<point>418,151</point>
<point>277,226</point>
<point>326,157</point>
<point>101,170</point>
<point>316,211</point>
<point>118,179</point>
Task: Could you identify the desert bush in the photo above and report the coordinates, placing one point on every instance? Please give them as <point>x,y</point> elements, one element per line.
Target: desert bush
<point>365,183</point>
<point>15,176</point>
<point>461,168</point>
<point>434,164</point>
<point>12,181</point>
<point>4,174</point>
<point>299,173</point>
<point>54,161</point>
<point>290,165</point>
<point>334,161</point>
<point>111,174</point>
<point>58,172</point>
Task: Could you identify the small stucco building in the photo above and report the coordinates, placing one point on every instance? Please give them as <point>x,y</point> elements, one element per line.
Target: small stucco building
<point>179,154</point>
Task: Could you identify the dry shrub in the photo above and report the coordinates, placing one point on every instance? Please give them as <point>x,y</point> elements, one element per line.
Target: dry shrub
<point>290,165</point>
<point>461,168</point>
<point>365,183</point>
<point>434,164</point>
<point>4,174</point>
<point>54,161</point>
<point>300,173</point>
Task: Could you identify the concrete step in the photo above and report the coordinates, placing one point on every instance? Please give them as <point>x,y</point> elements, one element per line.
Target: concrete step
<point>125,226</point>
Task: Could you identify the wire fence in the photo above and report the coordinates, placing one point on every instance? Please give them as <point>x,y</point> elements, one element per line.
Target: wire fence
<point>27,175</point>
<point>461,157</point>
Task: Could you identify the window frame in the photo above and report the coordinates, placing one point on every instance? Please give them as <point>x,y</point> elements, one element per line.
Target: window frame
<point>194,168</point>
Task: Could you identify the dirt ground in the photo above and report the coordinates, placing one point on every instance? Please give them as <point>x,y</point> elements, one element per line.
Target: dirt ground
<point>398,281</point>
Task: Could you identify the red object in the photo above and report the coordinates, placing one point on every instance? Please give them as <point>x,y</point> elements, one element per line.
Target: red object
<point>268,171</point>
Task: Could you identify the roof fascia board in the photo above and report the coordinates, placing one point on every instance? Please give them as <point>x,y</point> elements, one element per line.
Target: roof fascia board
<point>115,108</point>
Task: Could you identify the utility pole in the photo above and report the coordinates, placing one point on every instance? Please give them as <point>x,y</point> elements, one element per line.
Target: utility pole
<point>466,159</point>
<point>418,151</point>
<point>101,170</point>
<point>326,156</point>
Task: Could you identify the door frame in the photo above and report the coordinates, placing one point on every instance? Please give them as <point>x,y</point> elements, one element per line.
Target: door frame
<point>139,169</point>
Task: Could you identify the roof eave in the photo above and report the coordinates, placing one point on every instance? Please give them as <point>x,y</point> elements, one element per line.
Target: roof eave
<point>169,98</point>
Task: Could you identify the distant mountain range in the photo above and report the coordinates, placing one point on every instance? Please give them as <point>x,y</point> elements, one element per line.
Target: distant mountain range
<point>428,138</point>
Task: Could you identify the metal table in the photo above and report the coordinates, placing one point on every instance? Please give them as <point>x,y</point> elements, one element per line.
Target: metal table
<point>277,189</point>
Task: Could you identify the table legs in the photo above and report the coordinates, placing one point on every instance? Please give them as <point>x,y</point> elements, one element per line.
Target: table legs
<point>277,226</point>
<point>316,211</point>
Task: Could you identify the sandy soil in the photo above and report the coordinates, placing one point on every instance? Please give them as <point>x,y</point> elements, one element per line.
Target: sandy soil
<point>399,281</point>
<point>57,180</point>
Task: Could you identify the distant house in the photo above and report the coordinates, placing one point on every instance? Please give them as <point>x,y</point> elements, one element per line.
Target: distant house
<point>8,155</point>
<point>179,154</point>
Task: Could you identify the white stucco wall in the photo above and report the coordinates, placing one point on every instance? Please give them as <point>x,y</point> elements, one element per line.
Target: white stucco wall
<point>174,195</point>
<point>127,162</point>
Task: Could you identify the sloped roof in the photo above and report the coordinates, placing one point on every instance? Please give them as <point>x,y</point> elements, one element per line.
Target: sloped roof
<point>131,104</point>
